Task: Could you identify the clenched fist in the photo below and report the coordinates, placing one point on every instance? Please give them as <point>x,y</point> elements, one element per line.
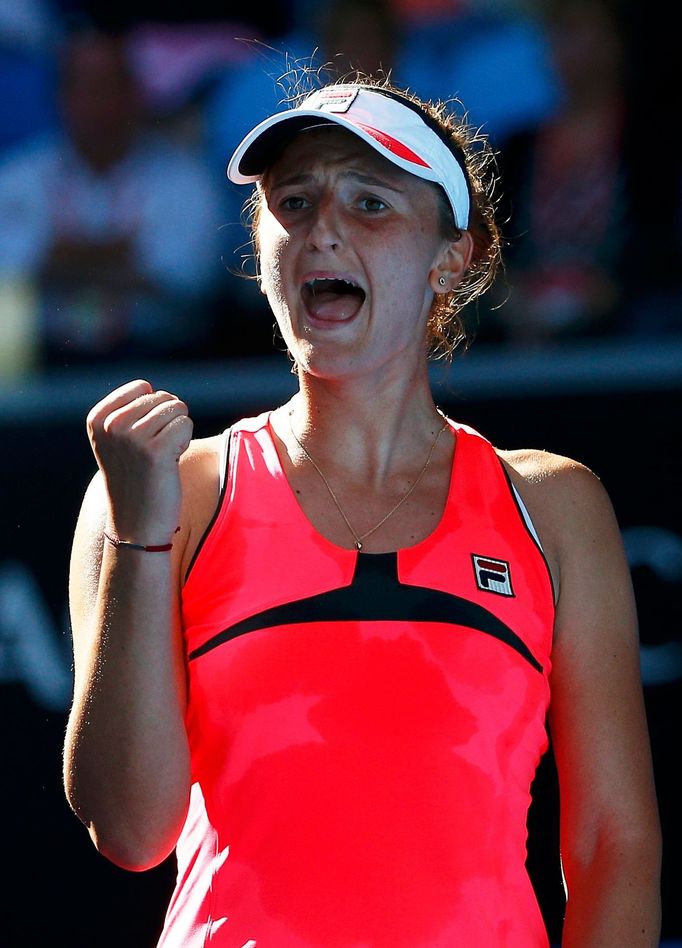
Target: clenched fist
<point>138,436</point>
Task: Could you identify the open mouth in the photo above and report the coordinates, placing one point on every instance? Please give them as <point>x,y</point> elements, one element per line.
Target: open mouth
<point>332,299</point>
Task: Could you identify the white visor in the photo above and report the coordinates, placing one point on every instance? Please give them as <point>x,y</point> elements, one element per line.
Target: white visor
<point>391,127</point>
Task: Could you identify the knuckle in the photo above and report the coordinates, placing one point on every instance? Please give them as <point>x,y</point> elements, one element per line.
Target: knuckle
<point>137,386</point>
<point>113,423</point>
<point>96,414</point>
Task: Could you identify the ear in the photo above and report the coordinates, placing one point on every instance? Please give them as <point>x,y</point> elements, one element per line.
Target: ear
<point>451,263</point>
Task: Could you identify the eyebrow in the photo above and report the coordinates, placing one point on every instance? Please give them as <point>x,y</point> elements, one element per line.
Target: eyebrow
<point>305,177</point>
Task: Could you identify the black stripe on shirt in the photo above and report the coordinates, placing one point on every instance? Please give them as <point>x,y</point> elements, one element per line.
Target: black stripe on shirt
<point>376,595</point>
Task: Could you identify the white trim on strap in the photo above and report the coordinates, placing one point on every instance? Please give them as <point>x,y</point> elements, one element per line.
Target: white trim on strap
<point>526,517</point>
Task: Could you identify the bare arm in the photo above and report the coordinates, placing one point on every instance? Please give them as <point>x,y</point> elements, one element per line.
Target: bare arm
<point>610,834</point>
<point>126,762</point>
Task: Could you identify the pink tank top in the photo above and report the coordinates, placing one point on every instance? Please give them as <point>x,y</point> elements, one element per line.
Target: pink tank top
<point>364,728</point>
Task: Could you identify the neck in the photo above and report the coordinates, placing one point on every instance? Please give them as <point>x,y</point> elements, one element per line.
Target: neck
<point>363,428</point>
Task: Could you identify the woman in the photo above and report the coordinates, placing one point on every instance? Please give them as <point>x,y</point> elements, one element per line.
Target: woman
<point>315,655</point>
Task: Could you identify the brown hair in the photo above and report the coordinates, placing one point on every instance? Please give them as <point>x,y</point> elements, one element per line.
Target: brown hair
<point>446,329</point>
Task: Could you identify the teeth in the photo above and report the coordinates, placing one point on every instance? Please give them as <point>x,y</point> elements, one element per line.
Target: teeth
<point>314,284</point>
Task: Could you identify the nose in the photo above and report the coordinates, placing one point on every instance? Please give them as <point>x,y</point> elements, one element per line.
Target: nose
<point>324,232</point>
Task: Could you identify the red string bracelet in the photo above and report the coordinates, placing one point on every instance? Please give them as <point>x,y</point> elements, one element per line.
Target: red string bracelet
<point>162,548</point>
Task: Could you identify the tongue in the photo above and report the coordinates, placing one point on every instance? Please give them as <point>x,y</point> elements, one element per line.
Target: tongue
<point>332,306</point>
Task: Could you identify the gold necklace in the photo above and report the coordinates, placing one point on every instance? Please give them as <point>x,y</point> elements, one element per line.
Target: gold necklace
<point>358,539</point>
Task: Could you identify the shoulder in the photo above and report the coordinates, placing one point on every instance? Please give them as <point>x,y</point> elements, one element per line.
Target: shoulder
<point>564,491</point>
<point>569,506</point>
<point>200,475</point>
<point>555,481</point>
<point>550,472</point>
<point>199,460</point>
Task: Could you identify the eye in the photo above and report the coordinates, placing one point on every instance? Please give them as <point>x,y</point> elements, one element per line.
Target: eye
<point>372,204</point>
<point>294,202</point>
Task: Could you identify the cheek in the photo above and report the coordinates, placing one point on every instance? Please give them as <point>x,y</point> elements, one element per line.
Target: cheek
<point>272,244</point>
<point>409,282</point>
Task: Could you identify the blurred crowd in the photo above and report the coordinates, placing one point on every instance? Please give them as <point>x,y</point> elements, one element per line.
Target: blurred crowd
<point>121,239</point>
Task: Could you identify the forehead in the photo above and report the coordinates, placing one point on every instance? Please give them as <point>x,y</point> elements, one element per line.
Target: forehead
<point>330,147</point>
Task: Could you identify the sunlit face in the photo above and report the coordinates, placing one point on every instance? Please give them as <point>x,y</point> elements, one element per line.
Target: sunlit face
<point>347,244</point>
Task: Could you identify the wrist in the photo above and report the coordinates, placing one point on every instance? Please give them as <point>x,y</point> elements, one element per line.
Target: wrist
<point>164,547</point>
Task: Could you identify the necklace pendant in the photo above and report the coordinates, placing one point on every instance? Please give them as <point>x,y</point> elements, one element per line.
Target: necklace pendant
<point>358,545</point>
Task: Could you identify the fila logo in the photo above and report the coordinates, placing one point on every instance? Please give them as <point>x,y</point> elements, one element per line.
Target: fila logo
<point>492,575</point>
<point>338,99</point>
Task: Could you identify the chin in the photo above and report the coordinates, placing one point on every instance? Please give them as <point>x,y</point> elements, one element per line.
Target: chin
<point>324,365</point>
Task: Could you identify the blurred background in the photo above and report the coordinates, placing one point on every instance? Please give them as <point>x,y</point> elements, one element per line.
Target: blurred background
<point>123,255</point>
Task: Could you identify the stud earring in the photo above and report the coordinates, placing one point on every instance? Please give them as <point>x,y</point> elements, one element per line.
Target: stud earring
<point>442,281</point>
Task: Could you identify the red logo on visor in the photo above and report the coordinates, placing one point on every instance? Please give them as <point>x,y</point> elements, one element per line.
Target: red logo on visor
<point>393,145</point>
